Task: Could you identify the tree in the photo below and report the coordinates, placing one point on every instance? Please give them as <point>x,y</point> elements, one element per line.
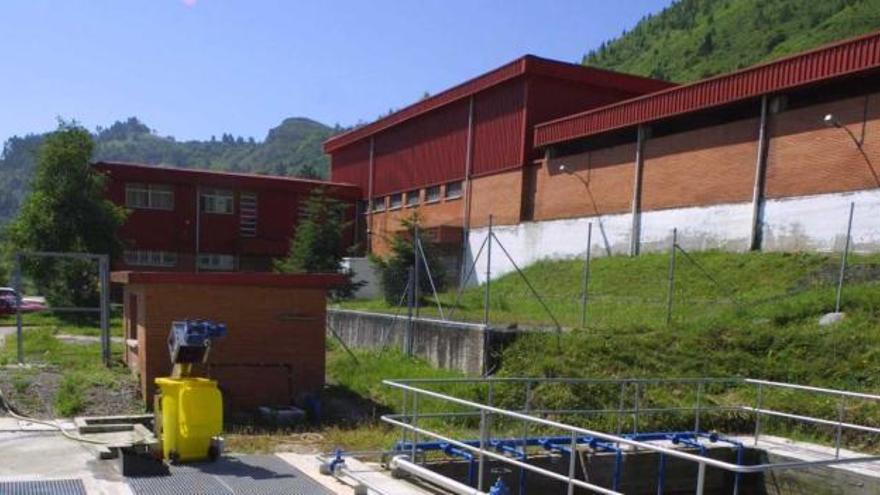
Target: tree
<point>395,268</point>
<point>66,211</point>
<point>316,245</point>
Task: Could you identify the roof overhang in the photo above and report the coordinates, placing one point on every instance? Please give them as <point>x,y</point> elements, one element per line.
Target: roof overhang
<point>849,57</point>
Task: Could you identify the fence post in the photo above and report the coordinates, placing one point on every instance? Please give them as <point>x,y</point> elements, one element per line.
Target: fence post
<point>586,278</point>
<point>843,260</point>
<point>410,295</point>
<point>671,288</point>
<point>104,275</point>
<point>19,335</point>
<point>486,300</point>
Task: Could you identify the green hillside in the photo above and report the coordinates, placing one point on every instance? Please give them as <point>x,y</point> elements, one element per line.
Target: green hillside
<point>693,39</point>
<point>292,148</point>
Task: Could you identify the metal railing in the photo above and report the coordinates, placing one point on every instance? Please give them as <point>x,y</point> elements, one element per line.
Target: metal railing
<point>408,420</point>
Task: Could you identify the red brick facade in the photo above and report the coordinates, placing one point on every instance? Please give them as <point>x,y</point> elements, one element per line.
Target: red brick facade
<point>274,352</point>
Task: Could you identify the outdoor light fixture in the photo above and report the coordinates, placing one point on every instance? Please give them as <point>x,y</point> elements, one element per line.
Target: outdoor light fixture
<point>831,121</point>
<point>564,169</point>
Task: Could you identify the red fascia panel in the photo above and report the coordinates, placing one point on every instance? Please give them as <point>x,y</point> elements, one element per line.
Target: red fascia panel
<point>528,64</point>
<point>170,175</point>
<point>253,279</point>
<point>423,151</point>
<point>499,120</point>
<point>836,60</point>
<point>351,165</point>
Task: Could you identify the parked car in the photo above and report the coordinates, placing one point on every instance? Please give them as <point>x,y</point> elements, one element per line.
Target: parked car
<point>28,304</point>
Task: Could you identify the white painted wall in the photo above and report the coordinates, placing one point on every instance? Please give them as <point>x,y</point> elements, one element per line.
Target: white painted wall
<point>364,271</point>
<point>809,223</point>
<point>818,223</point>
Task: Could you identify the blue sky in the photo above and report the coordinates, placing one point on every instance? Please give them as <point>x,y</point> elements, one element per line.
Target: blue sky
<point>196,68</point>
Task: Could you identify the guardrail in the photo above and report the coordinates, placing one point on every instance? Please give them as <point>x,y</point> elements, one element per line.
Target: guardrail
<point>414,389</point>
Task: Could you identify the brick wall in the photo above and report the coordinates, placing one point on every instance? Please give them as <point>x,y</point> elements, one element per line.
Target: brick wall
<point>709,165</point>
<point>274,352</point>
<point>608,174</point>
<point>806,157</point>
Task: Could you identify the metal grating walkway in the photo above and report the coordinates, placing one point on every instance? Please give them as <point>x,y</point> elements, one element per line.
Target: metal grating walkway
<point>232,475</point>
<point>42,487</point>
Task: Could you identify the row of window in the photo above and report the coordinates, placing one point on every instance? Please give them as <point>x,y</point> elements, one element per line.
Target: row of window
<point>433,194</point>
<point>167,259</point>
<point>161,197</point>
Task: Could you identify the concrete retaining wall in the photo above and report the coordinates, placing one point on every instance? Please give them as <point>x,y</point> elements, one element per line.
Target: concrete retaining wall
<point>450,345</point>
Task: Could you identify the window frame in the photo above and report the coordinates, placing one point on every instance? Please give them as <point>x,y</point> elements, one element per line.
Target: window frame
<point>417,193</point>
<point>438,198</point>
<point>210,197</point>
<point>391,198</point>
<point>379,205</point>
<point>149,193</point>
<point>447,196</point>
<point>211,266</point>
<point>148,257</point>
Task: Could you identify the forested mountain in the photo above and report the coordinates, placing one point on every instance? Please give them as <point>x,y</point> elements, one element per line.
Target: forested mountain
<point>693,39</point>
<point>292,148</point>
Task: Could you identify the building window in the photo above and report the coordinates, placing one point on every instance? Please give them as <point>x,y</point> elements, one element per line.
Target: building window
<point>216,262</point>
<point>217,201</point>
<point>432,194</point>
<point>453,190</point>
<point>395,201</point>
<point>412,198</point>
<point>247,214</point>
<point>150,258</point>
<point>149,196</point>
<point>362,207</point>
<point>379,204</point>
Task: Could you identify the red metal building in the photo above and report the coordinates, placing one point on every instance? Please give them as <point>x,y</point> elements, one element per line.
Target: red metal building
<point>200,220</point>
<point>435,150</point>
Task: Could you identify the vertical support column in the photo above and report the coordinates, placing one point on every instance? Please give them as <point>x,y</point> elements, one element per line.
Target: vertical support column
<point>369,245</point>
<point>636,230</point>
<point>755,239</point>
<point>18,333</point>
<point>468,171</point>
<point>104,275</point>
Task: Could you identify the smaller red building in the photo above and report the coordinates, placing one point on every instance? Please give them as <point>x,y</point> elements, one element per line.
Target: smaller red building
<point>200,220</point>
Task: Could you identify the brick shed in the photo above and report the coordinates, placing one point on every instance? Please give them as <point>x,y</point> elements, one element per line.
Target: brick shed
<point>274,351</point>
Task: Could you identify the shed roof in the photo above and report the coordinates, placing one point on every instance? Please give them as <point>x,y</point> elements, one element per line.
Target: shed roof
<point>528,64</point>
<point>852,56</point>
<point>139,171</point>
<point>254,279</point>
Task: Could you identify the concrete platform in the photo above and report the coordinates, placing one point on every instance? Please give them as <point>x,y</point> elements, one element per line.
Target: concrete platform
<point>34,452</point>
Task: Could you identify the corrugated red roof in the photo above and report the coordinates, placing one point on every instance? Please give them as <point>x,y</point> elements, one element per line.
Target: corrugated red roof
<point>192,175</point>
<point>839,59</point>
<point>528,64</point>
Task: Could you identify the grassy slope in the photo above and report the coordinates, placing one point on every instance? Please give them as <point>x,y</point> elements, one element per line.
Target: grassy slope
<point>693,39</point>
<point>770,332</point>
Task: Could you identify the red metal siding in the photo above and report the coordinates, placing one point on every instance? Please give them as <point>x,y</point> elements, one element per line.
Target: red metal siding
<point>551,98</point>
<point>851,56</point>
<point>499,120</point>
<point>278,203</point>
<point>427,150</point>
<point>351,165</point>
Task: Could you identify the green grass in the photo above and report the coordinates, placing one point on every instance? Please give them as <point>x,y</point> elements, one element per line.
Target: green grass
<point>87,325</point>
<point>626,292</point>
<point>79,364</point>
<point>758,318</point>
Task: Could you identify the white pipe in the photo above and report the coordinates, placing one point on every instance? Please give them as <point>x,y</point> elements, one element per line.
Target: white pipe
<point>402,464</point>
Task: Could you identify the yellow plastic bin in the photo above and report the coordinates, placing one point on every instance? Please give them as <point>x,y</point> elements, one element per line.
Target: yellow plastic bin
<point>189,416</point>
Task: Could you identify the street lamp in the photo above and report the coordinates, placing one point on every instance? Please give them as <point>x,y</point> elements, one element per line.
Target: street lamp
<point>831,121</point>
<point>565,169</point>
